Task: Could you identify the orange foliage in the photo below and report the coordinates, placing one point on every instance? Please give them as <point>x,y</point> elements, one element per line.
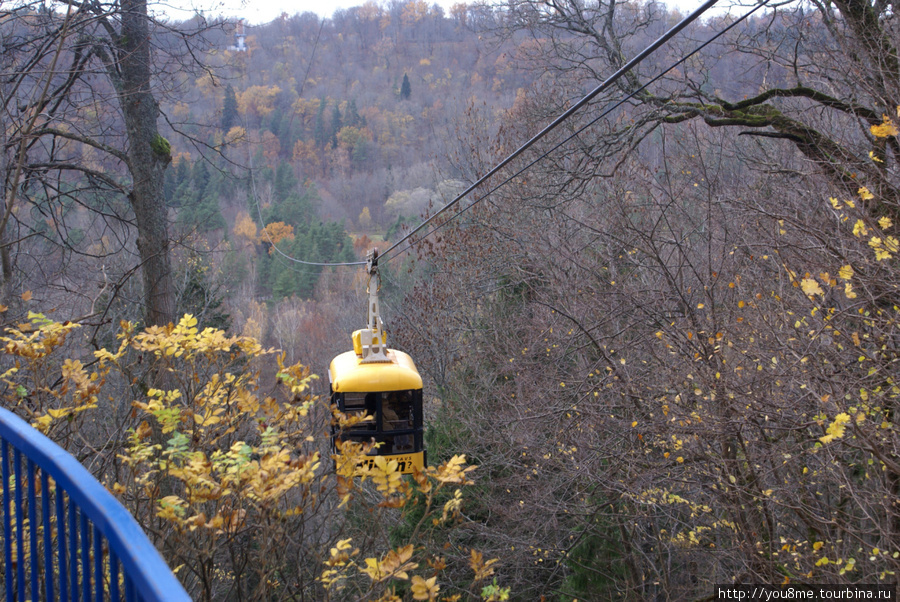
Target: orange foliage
<point>306,153</point>
<point>275,232</point>
<point>258,100</point>
<point>362,244</point>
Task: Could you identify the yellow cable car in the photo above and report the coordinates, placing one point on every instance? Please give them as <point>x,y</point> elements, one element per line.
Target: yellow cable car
<point>384,384</point>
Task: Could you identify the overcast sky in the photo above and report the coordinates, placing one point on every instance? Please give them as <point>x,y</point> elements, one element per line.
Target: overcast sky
<point>263,11</point>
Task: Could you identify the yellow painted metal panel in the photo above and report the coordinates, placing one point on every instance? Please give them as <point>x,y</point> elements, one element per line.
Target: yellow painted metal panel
<point>405,462</point>
<point>357,342</point>
<point>350,375</point>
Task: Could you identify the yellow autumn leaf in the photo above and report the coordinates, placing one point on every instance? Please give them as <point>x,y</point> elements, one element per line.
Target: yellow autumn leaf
<point>453,471</point>
<point>171,508</point>
<point>385,475</point>
<point>373,570</point>
<point>874,158</point>
<point>885,222</point>
<point>834,203</point>
<point>482,569</point>
<point>424,589</point>
<point>43,423</point>
<point>859,228</point>
<point>848,291</point>
<point>846,272</point>
<point>818,545</point>
<point>849,566</point>
<point>811,287</point>
<point>885,129</point>
<point>884,248</point>
<point>452,507</point>
<point>397,562</point>
<point>343,544</point>
<point>836,429</point>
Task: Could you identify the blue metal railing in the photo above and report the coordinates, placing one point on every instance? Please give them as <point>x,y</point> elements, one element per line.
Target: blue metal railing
<point>65,537</point>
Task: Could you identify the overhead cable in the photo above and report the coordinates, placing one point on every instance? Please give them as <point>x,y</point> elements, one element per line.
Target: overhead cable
<point>634,62</point>
<point>560,144</point>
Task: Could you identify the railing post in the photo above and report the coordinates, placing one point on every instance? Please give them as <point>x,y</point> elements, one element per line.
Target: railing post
<point>48,535</point>
<point>20,525</point>
<point>7,525</point>
<point>32,531</point>
<point>85,511</point>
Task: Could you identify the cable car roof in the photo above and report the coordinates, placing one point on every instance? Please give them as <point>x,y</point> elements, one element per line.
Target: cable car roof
<point>348,374</point>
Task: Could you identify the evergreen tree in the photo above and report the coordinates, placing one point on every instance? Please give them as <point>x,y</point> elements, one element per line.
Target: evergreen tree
<point>335,125</point>
<point>201,177</point>
<point>235,269</point>
<point>206,215</point>
<point>285,181</point>
<point>277,123</point>
<point>360,152</point>
<point>297,209</point>
<point>313,241</point>
<point>405,88</point>
<point>320,135</point>
<point>353,118</point>
<point>182,193</point>
<point>292,205</point>
<point>266,271</point>
<point>200,207</point>
<point>285,283</point>
<point>170,183</point>
<point>229,109</point>
<point>182,172</point>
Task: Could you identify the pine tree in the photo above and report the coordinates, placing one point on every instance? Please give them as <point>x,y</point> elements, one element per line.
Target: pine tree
<point>353,119</point>
<point>169,185</point>
<point>405,88</point>
<point>201,177</point>
<point>182,172</point>
<point>285,181</point>
<point>320,136</point>
<point>335,125</point>
<point>229,109</point>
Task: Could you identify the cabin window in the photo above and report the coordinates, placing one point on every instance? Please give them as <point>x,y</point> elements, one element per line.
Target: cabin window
<point>360,404</point>
<point>396,422</point>
<point>397,411</point>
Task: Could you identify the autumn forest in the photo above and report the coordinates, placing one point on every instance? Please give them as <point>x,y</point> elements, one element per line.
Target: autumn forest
<point>658,348</point>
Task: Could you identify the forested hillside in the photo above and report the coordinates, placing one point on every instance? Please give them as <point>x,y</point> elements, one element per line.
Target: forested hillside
<point>669,344</point>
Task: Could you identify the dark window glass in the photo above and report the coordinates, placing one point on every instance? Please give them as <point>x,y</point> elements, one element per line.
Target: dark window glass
<point>397,414</point>
<point>360,404</point>
<point>396,411</point>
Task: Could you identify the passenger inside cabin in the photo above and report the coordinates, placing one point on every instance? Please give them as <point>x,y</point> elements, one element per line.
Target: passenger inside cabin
<point>393,405</point>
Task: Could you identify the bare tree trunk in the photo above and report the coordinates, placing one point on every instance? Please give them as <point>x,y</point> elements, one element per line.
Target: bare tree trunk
<point>148,156</point>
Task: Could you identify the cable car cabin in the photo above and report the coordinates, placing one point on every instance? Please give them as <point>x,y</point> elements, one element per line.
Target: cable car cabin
<point>389,390</point>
